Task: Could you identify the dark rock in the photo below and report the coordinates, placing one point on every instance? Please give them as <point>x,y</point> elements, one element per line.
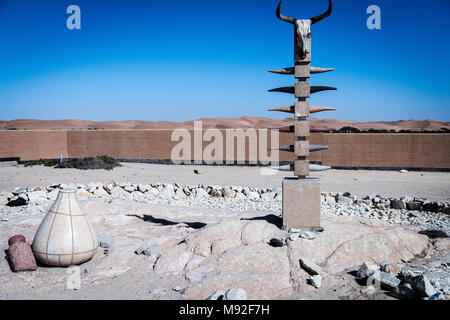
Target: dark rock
<point>386,280</point>
<point>437,296</point>
<point>17,202</point>
<point>274,242</point>
<point>430,206</point>
<point>20,257</point>
<point>405,291</point>
<point>406,276</point>
<point>423,286</point>
<point>16,238</point>
<point>365,271</point>
<point>414,205</point>
<point>398,204</point>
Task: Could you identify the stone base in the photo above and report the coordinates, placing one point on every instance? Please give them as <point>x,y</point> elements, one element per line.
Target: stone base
<point>301,203</point>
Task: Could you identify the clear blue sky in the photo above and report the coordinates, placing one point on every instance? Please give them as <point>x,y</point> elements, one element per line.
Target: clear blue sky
<point>182,60</point>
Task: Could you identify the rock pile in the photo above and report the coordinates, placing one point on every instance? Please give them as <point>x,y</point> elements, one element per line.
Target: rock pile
<point>402,284</point>
<point>404,210</point>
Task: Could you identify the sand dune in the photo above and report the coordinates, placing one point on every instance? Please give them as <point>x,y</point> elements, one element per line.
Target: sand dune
<point>219,123</point>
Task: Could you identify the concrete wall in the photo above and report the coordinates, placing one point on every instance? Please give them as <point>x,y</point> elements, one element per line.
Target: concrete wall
<point>345,150</point>
<point>30,145</point>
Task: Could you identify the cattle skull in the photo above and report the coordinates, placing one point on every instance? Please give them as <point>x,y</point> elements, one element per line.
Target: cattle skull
<point>302,31</point>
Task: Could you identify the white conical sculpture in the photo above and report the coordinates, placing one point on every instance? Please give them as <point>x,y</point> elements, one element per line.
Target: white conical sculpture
<point>65,236</point>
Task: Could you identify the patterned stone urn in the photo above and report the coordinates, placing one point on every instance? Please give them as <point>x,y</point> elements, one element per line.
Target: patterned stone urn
<point>65,236</point>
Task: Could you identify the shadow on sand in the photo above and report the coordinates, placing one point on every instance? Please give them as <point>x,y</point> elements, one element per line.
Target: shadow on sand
<point>270,218</point>
<point>164,222</point>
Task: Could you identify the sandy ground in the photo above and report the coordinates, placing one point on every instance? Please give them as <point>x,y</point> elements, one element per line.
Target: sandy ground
<point>434,186</point>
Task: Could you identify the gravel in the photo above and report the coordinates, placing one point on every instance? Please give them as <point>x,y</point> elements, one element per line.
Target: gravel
<point>427,214</point>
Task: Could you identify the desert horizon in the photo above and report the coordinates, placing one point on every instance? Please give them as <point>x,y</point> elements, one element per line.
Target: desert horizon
<point>243,122</point>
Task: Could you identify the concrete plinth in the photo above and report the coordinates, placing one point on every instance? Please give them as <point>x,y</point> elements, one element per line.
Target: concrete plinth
<point>301,203</point>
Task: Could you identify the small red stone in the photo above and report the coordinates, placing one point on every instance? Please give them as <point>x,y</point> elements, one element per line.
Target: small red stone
<point>16,238</point>
<point>21,257</point>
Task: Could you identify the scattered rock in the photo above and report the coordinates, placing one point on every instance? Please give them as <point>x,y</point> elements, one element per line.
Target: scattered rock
<point>369,290</point>
<point>437,296</point>
<point>16,238</point>
<point>152,251</point>
<point>366,270</point>
<point>384,279</point>
<point>37,195</point>
<point>422,286</point>
<point>316,281</point>
<point>100,192</point>
<point>404,291</point>
<point>20,256</point>
<point>218,295</point>
<point>398,204</point>
<point>104,241</point>
<point>310,267</point>
<point>274,242</point>
<point>235,294</point>
<point>173,260</point>
<point>253,195</point>
<point>142,248</point>
<point>201,193</point>
<point>308,235</point>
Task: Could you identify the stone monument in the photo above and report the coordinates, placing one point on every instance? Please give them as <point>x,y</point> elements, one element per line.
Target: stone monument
<point>301,194</point>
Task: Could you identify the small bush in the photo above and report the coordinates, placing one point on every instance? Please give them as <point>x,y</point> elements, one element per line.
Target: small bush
<point>42,162</point>
<point>100,162</point>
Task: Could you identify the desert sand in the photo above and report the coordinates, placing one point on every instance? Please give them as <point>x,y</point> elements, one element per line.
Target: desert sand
<point>217,123</point>
<point>434,186</point>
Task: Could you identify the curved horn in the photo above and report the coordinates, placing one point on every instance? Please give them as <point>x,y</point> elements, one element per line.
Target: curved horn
<point>323,15</point>
<point>284,18</point>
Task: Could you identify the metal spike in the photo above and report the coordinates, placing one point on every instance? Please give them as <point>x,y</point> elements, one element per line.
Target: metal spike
<point>284,90</point>
<point>291,90</point>
<point>288,109</point>
<point>315,109</point>
<point>291,70</point>
<point>290,148</point>
<point>312,129</point>
<point>317,147</point>
<point>320,70</point>
<point>318,167</point>
<point>312,167</point>
<point>312,109</point>
<point>315,89</point>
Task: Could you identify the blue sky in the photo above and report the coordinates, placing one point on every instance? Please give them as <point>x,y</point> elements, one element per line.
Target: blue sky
<point>182,60</point>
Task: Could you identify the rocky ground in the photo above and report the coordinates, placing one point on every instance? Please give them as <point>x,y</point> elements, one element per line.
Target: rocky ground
<point>171,241</point>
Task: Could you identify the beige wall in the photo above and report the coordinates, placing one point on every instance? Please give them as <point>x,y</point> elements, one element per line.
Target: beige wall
<point>30,145</point>
<point>345,150</point>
